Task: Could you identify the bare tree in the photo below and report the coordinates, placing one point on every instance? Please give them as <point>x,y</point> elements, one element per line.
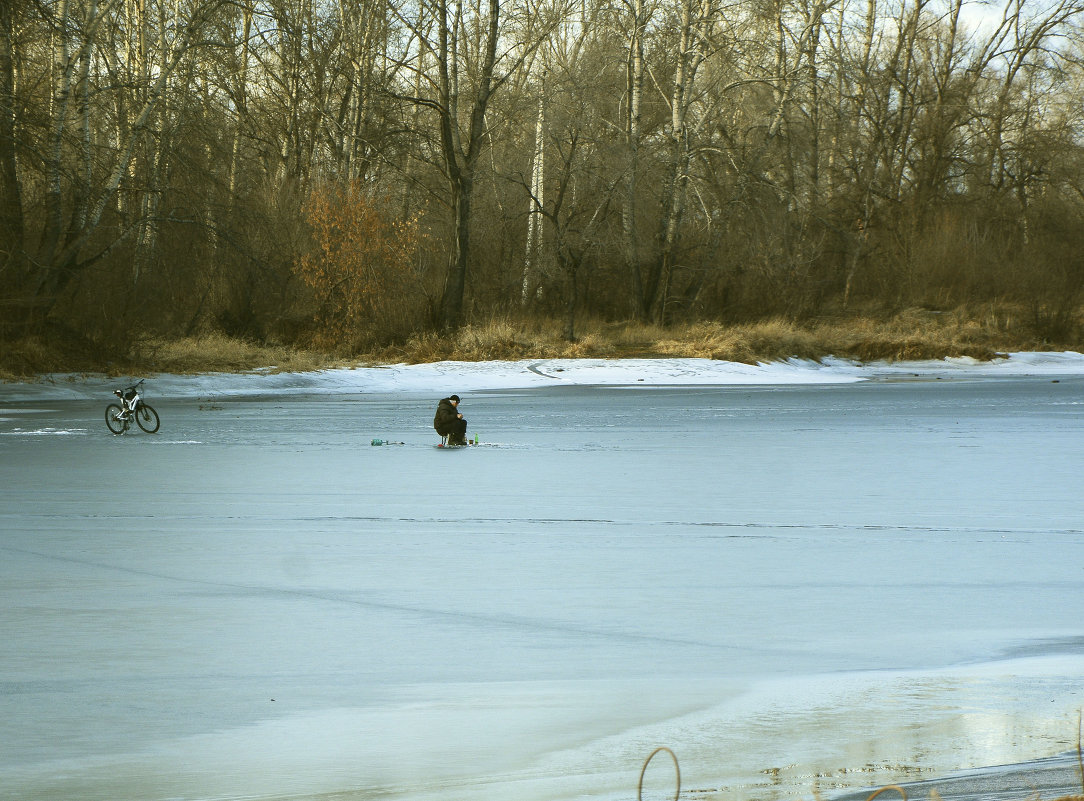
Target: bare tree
<point>469,65</point>
<point>694,45</point>
<point>572,197</point>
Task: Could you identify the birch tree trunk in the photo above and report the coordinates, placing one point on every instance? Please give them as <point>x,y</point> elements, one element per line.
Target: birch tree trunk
<point>241,114</point>
<point>536,205</point>
<point>635,91</point>
<point>12,254</point>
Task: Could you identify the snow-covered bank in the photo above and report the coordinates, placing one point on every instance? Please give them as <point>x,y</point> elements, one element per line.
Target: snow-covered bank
<point>462,377</point>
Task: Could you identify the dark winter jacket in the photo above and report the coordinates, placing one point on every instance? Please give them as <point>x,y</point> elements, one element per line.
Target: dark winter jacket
<point>446,417</point>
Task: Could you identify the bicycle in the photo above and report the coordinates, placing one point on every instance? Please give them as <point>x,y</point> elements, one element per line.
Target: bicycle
<point>131,407</point>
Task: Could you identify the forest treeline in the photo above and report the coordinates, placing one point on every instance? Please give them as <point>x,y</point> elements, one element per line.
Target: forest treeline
<point>351,172</point>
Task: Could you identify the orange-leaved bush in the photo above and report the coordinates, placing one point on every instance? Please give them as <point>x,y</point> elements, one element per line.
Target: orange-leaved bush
<point>361,267</point>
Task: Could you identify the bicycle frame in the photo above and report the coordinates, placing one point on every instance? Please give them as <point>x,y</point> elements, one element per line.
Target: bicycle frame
<point>131,409</point>
<point>129,397</point>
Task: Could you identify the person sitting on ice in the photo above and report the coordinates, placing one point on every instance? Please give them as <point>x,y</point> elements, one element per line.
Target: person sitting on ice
<point>449,422</point>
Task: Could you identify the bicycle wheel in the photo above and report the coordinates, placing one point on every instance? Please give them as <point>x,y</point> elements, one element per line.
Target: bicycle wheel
<point>116,425</point>
<point>147,418</point>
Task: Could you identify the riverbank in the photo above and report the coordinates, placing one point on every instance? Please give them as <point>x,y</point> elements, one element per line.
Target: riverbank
<point>909,335</point>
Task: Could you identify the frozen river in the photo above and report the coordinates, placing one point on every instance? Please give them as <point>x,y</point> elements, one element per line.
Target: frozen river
<point>796,587</point>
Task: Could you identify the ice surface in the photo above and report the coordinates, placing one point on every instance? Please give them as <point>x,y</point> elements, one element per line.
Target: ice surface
<point>799,577</point>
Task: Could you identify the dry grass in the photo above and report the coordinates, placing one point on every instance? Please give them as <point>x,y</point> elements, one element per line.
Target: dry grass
<point>911,334</point>
<point>221,354</point>
<point>204,354</point>
<point>30,356</point>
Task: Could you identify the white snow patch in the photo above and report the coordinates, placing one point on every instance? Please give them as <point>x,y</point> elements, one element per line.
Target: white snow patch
<point>530,373</point>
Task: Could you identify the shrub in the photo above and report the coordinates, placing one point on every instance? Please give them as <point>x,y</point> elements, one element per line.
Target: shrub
<point>361,267</point>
